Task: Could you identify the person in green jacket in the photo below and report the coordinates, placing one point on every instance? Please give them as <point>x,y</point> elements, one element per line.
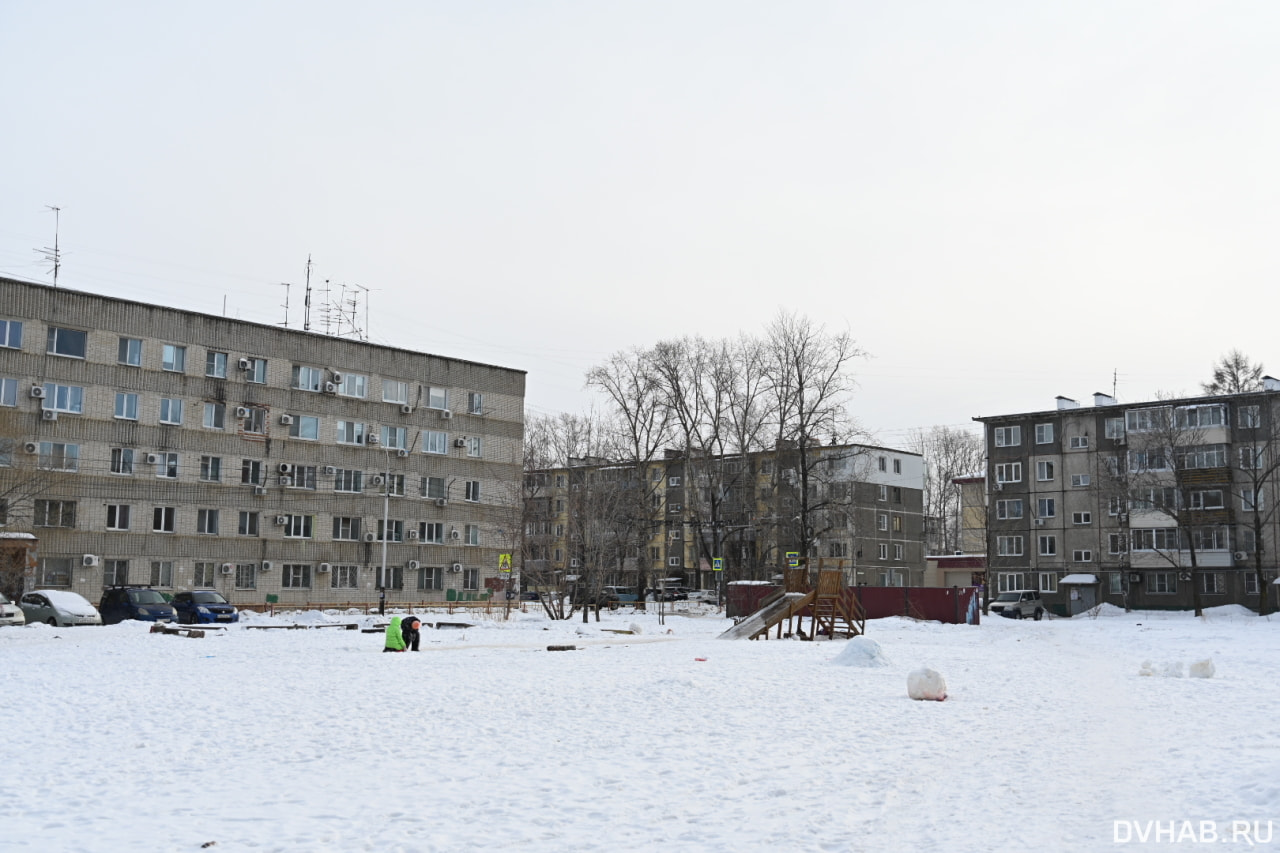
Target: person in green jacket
<point>395,636</point>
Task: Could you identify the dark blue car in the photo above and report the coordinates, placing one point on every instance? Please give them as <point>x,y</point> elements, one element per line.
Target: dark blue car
<point>204,606</point>
<point>127,602</point>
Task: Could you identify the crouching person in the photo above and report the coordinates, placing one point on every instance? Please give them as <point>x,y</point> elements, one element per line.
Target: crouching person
<point>395,636</point>
<point>409,631</point>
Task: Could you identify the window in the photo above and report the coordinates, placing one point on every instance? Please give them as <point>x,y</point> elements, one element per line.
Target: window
<point>395,391</point>
<point>130,352</point>
<point>1115,543</point>
<point>347,480</point>
<point>54,513</point>
<point>121,460</point>
<point>1204,456</point>
<point>1044,471</point>
<point>1251,499</point>
<point>1163,498</point>
<point>1207,499</point>
<point>882,463</point>
<point>472,534</point>
<point>1044,433</point>
<point>162,573</point>
<point>307,378</point>
<point>126,406</point>
<point>117,516</point>
<point>1046,507</point>
<point>1198,417</point>
<point>1249,417</point>
<point>431,578</point>
<point>346,528</point>
<point>882,493</point>
<point>1011,581</point>
<point>56,456</point>
<point>897,466</point>
<point>174,358</point>
<point>394,438</point>
<point>1115,583</point>
<point>170,410</point>
<point>1048,546</point>
<point>1251,457</point>
<point>251,472</point>
<point>1145,420</point>
<point>164,519</point>
<point>204,575</point>
<point>1209,538</point>
<point>167,465</point>
<point>1048,581</point>
<point>68,342</point>
<point>55,571</point>
<point>882,521</point>
<point>1162,583</point>
<point>211,469</point>
<point>898,551</point>
<point>433,487</point>
<point>115,572</point>
<point>246,575</point>
<point>344,577</point>
<point>353,385</point>
<point>350,432</point>
<point>392,577</point>
<point>207,521</point>
<point>1156,539</point>
<point>1115,505</point>
<point>257,372</point>
<point>1009,509</point>
<point>1008,436</point>
<point>304,477</point>
<point>1250,583</point>
<point>1079,442</point>
<point>474,445</point>
<point>1113,428</point>
<point>248,525</point>
<point>63,398</point>
<point>1079,481</point>
<point>435,442</point>
<point>475,403</point>
<point>431,532</point>
<point>897,495</point>
<point>305,427</point>
<point>437,398</point>
<point>215,364</point>
<point>1081,518</point>
<point>1148,460</point>
<point>897,524</point>
<point>11,334</point>
<point>882,550</point>
<point>1008,472</point>
<point>295,576</point>
<point>214,415</point>
<point>1246,539</point>
<point>395,529</point>
<point>298,526</point>
<point>255,420</point>
<point>473,490</point>
<point>8,392</point>
<point>1213,583</point>
<point>1084,556</point>
<point>394,485</point>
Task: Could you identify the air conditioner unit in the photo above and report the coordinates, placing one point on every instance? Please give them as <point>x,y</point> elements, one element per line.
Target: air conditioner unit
<point>89,560</point>
<point>1134,577</point>
<point>331,387</point>
<point>406,409</point>
<point>459,442</point>
<point>284,468</point>
<point>286,481</point>
<point>455,534</point>
<point>152,458</point>
<point>1039,522</point>
<point>445,414</point>
<point>331,470</point>
<point>412,565</point>
<point>48,415</point>
<point>1184,576</point>
<point>31,447</point>
<point>573,562</point>
<point>372,438</point>
<point>370,537</point>
<point>402,453</point>
<point>412,534</point>
<point>286,420</point>
<point>282,519</point>
<point>242,412</point>
<point>456,567</point>
<point>1241,556</point>
<point>228,568</point>
<point>266,565</point>
<point>323,567</point>
<point>259,490</point>
<point>377,479</point>
<point>442,501</point>
<point>337,377</point>
<point>999,487</point>
<point>37,391</point>
<point>245,364</point>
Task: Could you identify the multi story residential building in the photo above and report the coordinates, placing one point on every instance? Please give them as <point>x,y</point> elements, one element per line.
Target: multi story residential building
<point>1162,504</point>
<point>152,445</point>
<point>852,507</point>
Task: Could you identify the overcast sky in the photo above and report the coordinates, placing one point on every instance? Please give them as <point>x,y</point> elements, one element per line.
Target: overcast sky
<point>1002,202</point>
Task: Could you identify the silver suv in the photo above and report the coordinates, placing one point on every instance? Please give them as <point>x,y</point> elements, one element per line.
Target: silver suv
<point>1018,605</point>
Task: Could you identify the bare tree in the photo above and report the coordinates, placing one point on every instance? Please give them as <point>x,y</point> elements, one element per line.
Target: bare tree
<point>1257,462</point>
<point>29,471</point>
<point>1233,373</point>
<point>948,453</point>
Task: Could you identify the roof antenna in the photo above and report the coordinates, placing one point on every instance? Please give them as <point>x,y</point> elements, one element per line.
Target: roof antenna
<point>54,255</point>
<point>306,305</point>
<point>286,286</point>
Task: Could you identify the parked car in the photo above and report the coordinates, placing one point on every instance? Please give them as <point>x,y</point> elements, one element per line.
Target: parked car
<point>58,607</point>
<point>1018,605</point>
<point>671,593</point>
<point>10,613</point>
<point>706,596</point>
<point>204,605</point>
<point>130,602</point>
<point>625,594</point>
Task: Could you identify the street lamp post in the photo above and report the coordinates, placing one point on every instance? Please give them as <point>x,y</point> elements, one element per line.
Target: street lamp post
<point>386,514</point>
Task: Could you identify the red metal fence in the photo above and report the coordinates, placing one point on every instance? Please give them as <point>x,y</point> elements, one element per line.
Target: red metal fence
<point>953,605</point>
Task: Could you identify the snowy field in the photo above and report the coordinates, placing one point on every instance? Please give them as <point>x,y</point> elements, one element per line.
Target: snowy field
<point>116,739</point>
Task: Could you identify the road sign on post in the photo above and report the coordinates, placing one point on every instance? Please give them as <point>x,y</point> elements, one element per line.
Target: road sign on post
<point>717,564</point>
<point>793,559</point>
<point>504,562</point>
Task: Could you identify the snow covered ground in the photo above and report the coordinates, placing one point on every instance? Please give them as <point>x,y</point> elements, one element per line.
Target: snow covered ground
<point>117,739</point>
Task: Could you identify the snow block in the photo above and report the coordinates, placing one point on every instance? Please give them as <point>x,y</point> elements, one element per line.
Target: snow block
<point>925,684</point>
<point>1201,669</point>
<point>861,652</point>
<point>635,628</point>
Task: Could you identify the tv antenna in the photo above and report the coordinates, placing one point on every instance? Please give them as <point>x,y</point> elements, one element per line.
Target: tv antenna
<point>54,255</point>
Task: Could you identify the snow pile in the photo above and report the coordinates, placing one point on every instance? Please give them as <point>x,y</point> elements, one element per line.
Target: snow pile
<point>861,652</point>
<point>1173,669</point>
<point>926,684</point>
<point>1201,669</point>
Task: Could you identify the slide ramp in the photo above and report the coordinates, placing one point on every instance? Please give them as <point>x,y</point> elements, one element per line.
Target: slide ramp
<point>771,614</point>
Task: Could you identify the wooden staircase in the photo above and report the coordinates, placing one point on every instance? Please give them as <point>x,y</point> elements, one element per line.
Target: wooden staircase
<point>833,613</point>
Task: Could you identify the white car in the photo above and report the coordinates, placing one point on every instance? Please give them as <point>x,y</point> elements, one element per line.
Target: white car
<point>59,607</point>
<point>10,613</point>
